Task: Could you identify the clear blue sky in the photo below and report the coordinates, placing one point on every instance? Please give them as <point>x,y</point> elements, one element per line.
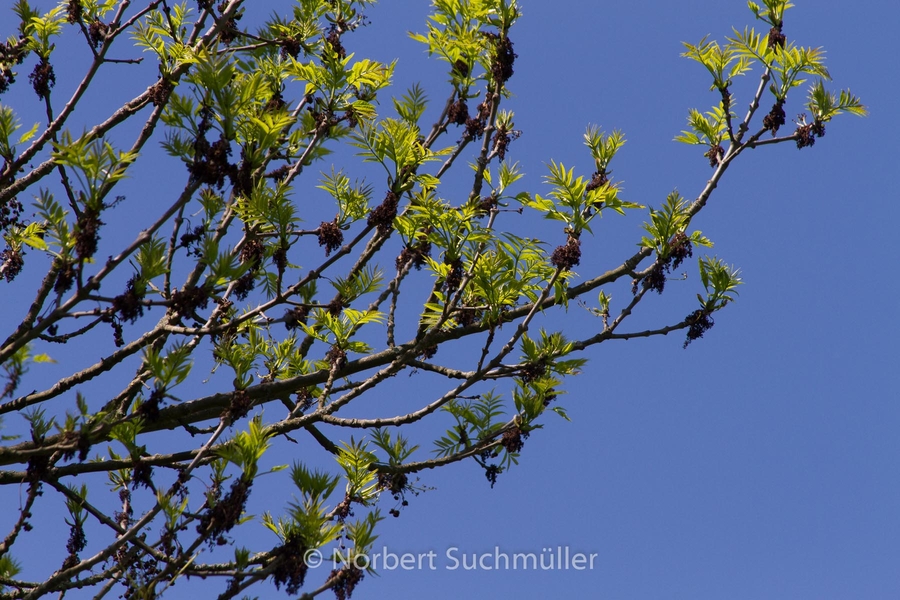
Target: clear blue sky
<point>764,460</point>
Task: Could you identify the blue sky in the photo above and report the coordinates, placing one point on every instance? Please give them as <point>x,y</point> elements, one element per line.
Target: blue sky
<point>761,462</point>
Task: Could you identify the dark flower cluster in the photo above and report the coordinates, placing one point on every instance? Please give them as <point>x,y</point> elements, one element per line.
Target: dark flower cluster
<point>382,216</point>
<point>514,440</point>
<point>252,253</point>
<point>225,513</point>
<point>454,277</point>
<point>699,323</point>
<point>416,253</point>
<point>229,31</point>
<point>293,317</point>
<point>502,138</point>
<point>337,357</point>
<point>351,118</point>
<point>532,371</point>
<point>77,540</point>
<point>336,305</point>
<point>491,472</point>
<point>807,134</point>
<point>190,238</point>
<point>42,78</point>
<point>150,407</point>
<point>97,32</point>
<point>598,180</point>
<point>458,113</point>
<point>128,305</point>
<point>160,91</point>
<point>395,483</point>
<point>279,258</point>
<point>487,204</point>
<point>568,255</point>
<point>344,581</point>
<point>680,248</point>
<point>428,352</point>
<point>466,315</point>
<point>65,277</point>
<point>334,40</point>
<point>330,236</point>
<point>290,564</point>
<point>776,37</point>
<point>242,177</point>
<point>142,474</point>
<point>714,154</point>
<point>11,54</point>
<point>475,125</point>
<point>240,405</point>
<point>504,57</point>
<point>10,211</point>
<point>210,165</point>
<point>775,118</point>
<point>461,67</point>
<point>279,173</point>
<point>290,46</point>
<point>87,233</point>
<point>73,11</point>
<point>188,300</point>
